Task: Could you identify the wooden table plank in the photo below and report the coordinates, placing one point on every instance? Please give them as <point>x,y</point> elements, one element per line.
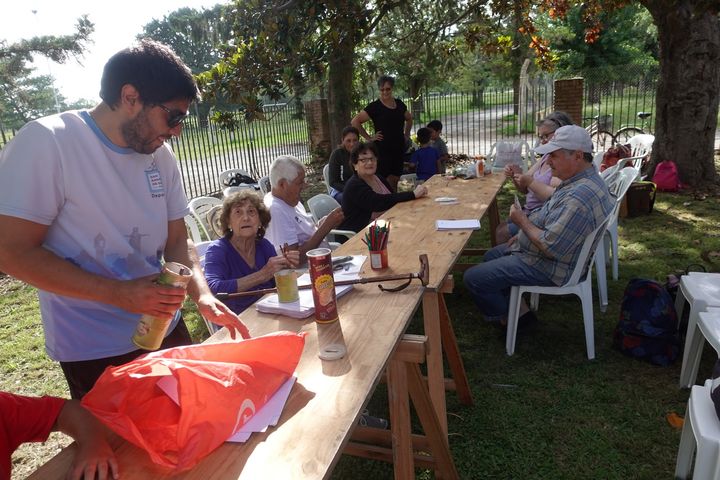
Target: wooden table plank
<point>327,398</point>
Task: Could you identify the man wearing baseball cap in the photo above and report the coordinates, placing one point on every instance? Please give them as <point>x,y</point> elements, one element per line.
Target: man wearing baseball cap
<point>545,250</point>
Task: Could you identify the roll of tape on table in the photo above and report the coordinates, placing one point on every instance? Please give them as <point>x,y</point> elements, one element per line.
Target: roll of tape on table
<point>334,351</point>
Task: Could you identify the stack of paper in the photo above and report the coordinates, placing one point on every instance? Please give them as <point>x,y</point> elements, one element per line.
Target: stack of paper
<point>267,416</point>
<point>304,306</point>
<point>469,224</point>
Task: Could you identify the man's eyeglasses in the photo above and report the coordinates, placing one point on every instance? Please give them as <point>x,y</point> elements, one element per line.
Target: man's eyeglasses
<point>174,118</point>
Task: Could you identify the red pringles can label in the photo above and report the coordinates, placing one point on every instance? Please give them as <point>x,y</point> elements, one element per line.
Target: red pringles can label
<point>323,285</point>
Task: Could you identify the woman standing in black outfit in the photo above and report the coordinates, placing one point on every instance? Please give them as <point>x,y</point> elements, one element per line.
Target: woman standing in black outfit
<point>367,195</point>
<point>392,122</point>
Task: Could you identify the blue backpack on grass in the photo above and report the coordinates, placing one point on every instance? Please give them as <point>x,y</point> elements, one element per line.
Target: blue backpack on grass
<point>648,326</point>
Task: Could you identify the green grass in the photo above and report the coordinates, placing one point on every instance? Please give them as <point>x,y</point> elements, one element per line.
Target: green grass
<point>544,413</point>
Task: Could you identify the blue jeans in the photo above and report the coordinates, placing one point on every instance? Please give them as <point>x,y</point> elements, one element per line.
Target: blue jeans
<point>489,282</point>
<point>336,194</point>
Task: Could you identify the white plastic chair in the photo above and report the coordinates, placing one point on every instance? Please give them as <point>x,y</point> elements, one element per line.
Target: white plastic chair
<point>201,248</point>
<point>199,207</point>
<point>507,152</point>
<point>701,432</point>
<point>700,290</point>
<point>580,284</point>
<point>264,184</point>
<point>597,160</point>
<point>322,204</point>
<point>641,144</point>
<point>326,177</point>
<point>192,226</point>
<point>610,240</point>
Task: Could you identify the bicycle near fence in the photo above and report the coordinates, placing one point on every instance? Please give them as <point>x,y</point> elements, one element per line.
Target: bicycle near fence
<point>626,132</point>
<point>600,131</point>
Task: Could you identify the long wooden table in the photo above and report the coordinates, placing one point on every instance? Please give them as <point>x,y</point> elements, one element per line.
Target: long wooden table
<point>322,411</point>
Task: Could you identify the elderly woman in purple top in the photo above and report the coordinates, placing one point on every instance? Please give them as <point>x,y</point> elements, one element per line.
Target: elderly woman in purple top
<point>538,184</point>
<point>243,260</point>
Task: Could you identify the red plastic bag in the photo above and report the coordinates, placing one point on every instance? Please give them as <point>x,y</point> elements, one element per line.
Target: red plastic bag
<point>614,154</point>
<point>219,386</point>
<point>666,176</point>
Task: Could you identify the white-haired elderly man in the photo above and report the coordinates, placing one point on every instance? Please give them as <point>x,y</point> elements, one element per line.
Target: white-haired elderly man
<point>290,223</point>
<point>547,247</point>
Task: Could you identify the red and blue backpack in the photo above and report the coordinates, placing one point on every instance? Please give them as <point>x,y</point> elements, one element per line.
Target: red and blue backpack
<point>648,326</point>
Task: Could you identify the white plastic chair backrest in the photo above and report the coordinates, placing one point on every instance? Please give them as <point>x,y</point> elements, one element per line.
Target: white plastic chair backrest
<point>321,204</point>
<point>227,174</point>
<point>597,160</point>
<point>627,176</point>
<point>635,161</point>
<point>641,144</point>
<point>200,207</point>
<point>264,184</point>
<point>192,227</point>
<point>586,254</point>
<point>326,177</point>
<point>506,152</point>
<point>201,248</point>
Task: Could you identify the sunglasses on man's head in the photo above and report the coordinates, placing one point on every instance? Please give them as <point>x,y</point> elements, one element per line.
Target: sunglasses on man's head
<point>174,118</point>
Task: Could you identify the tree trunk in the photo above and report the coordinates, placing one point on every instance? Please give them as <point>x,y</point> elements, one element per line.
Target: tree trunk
<point>688,89</point>
<point>417,105</point>
<point>340,75</point>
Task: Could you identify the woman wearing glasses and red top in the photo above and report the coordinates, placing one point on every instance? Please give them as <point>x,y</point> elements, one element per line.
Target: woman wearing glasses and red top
<point>367,195</point>
<point>392,122</point>
<point>538,184</point>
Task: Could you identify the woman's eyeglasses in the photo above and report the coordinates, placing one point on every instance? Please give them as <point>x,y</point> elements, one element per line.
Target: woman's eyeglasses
<point>546,137</point>
<point>367,160</point>
<point>174,118</point>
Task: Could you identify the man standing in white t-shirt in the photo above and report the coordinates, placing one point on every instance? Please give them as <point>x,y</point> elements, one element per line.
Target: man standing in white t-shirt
<point>290,224</point>
<point>91,203</point>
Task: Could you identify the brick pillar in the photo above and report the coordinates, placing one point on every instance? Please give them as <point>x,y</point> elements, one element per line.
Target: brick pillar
<point>569,98</point>
<point>318,122</point>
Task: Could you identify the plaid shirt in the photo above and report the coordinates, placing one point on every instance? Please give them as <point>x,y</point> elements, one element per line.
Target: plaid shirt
<point>574,211</point>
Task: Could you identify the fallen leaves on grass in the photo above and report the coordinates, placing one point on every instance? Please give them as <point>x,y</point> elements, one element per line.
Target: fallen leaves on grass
<point>675,420</point>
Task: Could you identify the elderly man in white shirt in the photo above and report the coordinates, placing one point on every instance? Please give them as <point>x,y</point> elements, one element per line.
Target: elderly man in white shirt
<point>290,224</point>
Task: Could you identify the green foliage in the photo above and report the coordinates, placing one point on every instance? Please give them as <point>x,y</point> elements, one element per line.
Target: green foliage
<point>23,97</point>
<point>628,38</point>
<point>197,36</point>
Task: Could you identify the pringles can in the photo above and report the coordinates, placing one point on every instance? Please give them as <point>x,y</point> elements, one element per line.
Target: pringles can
<point>323,285</point>
<point>150,331</point>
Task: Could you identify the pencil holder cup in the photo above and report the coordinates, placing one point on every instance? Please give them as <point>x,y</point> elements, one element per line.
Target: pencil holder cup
<point>379,259</point>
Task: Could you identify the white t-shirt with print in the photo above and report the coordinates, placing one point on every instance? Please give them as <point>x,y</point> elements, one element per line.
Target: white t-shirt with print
<point>107,209</point>
<point>291,225</point>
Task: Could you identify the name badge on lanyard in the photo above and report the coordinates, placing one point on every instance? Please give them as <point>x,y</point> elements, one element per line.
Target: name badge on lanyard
<point>154,179</point>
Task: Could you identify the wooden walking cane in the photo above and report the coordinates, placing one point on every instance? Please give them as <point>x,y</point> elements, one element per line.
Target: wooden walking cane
<point>423,275</point>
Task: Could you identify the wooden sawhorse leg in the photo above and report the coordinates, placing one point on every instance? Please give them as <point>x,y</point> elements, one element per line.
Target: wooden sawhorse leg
<point>404,382</point>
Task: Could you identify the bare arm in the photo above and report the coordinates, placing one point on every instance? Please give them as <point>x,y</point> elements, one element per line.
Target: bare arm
<point>330,221</point>
<point>94,456</point>
<point>274,265</point>
<point>23,256</point>
<point>408,123</point>
<point>358,121</point>
<point>534,233</point>
<point>179,249</point>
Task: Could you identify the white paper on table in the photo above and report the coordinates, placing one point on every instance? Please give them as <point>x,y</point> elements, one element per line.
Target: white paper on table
<point>267,416</point>
<point>304,306</point>
<point>467,224</point>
